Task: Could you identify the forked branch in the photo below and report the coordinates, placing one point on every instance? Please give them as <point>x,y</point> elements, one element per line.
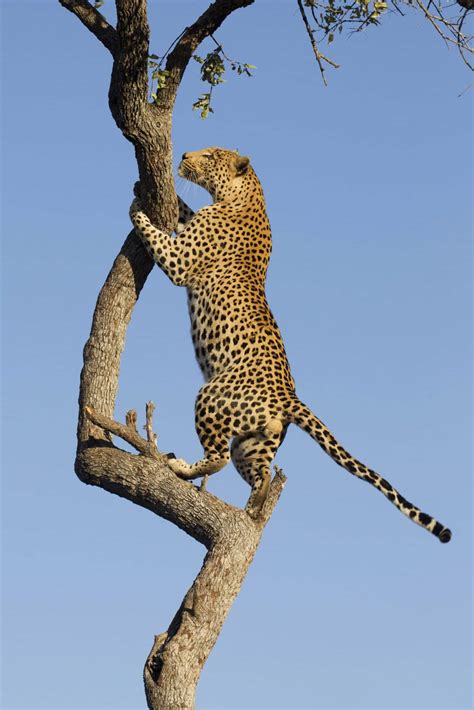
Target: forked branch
<point>128,432</point>
<point>177,656</point>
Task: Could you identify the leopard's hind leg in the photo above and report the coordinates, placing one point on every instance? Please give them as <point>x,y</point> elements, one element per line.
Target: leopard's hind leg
<point>216,456</point>
<point>214,432</point>
<point>252,455</point>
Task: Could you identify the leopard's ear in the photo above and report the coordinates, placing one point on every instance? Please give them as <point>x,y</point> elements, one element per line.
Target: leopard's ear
<point>242,164</point>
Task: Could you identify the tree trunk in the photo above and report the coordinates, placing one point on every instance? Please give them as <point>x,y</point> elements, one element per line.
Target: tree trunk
<point>231,537</point>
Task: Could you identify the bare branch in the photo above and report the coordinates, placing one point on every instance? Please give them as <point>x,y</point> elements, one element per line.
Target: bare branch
<point>468,88</point>
<point>151,436</point>
<point>94,21</point>
<point>430,18</point>
<point>274,493</point>
<point>319,57</point>
<point>126,432</point>
<point>449,30</point>
<point>203,27</point>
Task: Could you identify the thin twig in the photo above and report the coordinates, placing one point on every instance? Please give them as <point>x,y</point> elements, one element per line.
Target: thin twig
<point>431,19</point>
<point>394,3</point>
<point>454,28</point>
<point>468,87</point>
<point>319,57</point>
<point>462,46</point>
<point>172,45</point>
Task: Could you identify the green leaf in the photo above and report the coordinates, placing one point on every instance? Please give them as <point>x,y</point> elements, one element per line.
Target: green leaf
<point>203,104</point>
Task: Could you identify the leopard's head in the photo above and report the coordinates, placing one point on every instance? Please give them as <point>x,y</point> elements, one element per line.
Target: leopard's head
<point>214,169</point>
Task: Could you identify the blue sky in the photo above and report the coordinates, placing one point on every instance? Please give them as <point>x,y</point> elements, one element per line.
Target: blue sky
<point>347,605</point>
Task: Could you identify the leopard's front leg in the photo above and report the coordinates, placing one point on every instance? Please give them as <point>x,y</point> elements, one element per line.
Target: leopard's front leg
<point>162,248</point>
<point>185,214</point>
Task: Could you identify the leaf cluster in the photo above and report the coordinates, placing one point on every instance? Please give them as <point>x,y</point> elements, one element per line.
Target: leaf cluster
<point>213,68</point>
<point>158,75</point>
<point>332,15</point>
<point>203,104</point>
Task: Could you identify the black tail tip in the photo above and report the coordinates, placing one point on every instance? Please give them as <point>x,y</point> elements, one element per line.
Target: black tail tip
<point>445,535</point>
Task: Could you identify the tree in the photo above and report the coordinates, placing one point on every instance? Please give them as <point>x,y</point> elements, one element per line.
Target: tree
<point>177,656</point>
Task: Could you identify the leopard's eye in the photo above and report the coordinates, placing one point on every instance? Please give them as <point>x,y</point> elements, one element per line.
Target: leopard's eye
<point>206,155</point>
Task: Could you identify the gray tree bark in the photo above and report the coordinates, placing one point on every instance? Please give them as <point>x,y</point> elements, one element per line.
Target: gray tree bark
<point>231,537</point>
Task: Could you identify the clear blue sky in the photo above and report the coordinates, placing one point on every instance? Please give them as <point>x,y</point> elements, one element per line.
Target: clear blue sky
<point>347,605</point>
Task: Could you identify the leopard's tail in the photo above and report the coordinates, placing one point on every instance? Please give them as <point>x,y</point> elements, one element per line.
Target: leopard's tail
<point>303,417</point>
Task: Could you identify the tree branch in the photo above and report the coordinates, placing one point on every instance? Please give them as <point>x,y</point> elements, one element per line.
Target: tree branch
<point>205,516</point>
<point>449,30</point>
<point>175,661</point>
<point>203,27</point>
<point>319,56</point>
<point>94,21</point>
<point>128,432</point>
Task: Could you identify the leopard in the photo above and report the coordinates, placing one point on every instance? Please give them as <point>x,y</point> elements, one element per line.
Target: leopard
<point>220,254</point>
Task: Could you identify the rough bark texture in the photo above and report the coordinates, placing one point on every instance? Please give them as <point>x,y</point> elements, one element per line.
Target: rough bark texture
<point>231,537</point>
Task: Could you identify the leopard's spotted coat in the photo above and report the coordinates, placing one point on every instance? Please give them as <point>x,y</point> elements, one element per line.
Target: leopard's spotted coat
<point>220,254</point>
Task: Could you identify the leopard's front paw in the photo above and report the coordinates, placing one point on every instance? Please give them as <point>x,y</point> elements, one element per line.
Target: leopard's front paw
<point>178,466</point>
<point>137,189</point>
<point>135,207</point>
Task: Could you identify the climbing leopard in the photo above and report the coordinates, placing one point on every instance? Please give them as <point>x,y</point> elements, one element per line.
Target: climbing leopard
<point>220,254</point>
